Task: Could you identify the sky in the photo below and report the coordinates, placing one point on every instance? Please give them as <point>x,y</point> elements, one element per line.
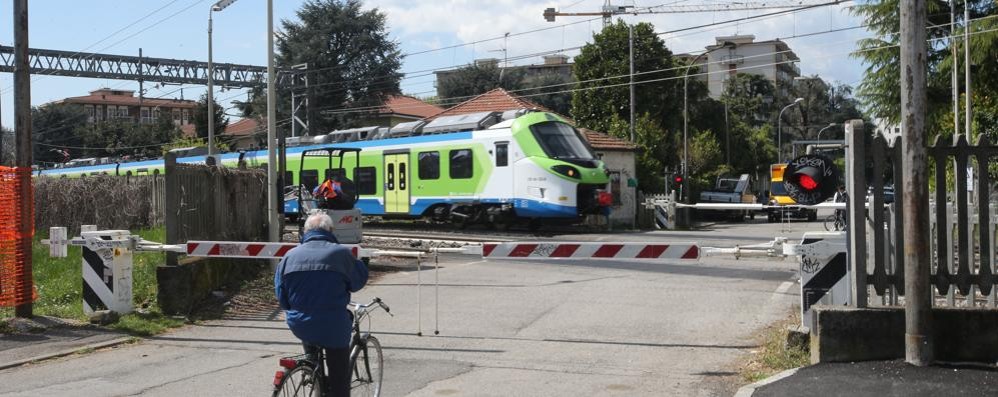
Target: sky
<point>439,34</point>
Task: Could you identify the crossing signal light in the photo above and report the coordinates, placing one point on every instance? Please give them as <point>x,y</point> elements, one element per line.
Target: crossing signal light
<point>678,179</point>
<point>811,179</point>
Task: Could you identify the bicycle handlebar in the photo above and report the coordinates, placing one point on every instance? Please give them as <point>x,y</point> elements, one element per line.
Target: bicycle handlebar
<point>362,309</point>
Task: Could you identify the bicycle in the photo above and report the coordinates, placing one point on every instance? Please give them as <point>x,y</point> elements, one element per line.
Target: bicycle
<point>305,375</point>
<point>835,223</point>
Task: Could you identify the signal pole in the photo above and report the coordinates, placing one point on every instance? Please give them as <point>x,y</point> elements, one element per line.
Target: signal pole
<point>918,344</point>
<point>22,158</point>
<point>273,225</point>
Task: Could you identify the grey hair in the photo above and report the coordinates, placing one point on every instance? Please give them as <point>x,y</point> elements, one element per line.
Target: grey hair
<point>319,221</point>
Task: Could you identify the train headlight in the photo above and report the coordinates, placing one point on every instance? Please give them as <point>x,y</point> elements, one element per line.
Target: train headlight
<point>567,170</point>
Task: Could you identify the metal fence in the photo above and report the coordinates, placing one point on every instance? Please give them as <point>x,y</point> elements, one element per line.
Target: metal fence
<point>213,203</point>
<point>962,232</point>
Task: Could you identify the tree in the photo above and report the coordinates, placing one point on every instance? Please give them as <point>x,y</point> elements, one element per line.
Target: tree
<point>880,91</point>
<point>749,98</point>
<point>352,63</point>
<point>54,127</point>
<point>6,147</point>
<point>471,80</point>
<point>648,136</point>
<point>606,61</point>
<point>201,117</point>
<point>550,97</point>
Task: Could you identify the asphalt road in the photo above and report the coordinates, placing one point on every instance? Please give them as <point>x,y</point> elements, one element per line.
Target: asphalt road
<point>554,328</point>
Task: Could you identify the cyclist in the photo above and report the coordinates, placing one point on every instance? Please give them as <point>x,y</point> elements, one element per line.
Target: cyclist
<point>841,197</point>
<point>313,283</point>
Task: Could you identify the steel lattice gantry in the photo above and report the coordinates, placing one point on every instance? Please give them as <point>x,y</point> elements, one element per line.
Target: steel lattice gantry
<point>138,68</point>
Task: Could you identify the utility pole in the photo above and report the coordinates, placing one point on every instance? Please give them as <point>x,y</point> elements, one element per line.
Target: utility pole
<point>630,44</point>
<point>966,69</point>
<point>273,226</point>
<point>918,343</point>
<point>954,76</point>
<point>22,158</point>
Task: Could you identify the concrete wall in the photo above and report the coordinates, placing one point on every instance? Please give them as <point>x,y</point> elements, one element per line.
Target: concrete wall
<point>846,334</point>
<point>622,162</point>
<point>753,58</point>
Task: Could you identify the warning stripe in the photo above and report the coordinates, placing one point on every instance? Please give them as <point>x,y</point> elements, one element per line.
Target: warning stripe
<point>823,281</point>
<point>239,249</point>
<point>590,250</point>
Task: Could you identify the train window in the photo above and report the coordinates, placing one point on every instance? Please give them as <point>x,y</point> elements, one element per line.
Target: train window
<point>366,178</point>
<point>429,165</point>
<point>401,176</point>
<point>460,164</point>
<point>309,178</point>
<point>560,140</point>
<point>336,174</point>
<point>502,154</point>
<point>289,178</point>
<point>391,177</point>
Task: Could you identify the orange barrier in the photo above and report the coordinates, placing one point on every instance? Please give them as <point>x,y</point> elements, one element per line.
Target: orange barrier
<point>16,284</point>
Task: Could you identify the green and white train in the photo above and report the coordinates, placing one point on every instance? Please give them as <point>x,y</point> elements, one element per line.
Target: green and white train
<point>531,166</point>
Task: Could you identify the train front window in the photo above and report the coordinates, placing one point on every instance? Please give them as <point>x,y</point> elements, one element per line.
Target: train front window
<point>561,141</point>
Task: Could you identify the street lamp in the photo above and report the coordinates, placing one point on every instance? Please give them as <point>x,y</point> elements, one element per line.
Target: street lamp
<point>686,156</point>
<point>219,6</point>
<point>779,129</point>
<point>830,125</point>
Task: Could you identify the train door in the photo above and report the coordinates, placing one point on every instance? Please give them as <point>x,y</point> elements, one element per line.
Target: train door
<point>397,183</point>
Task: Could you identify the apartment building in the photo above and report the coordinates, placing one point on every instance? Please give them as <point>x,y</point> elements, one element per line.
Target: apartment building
<point>113,104</point>
<point>731,55</point>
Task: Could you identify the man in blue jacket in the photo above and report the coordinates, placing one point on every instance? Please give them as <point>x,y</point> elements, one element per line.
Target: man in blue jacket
<point>313,283</point>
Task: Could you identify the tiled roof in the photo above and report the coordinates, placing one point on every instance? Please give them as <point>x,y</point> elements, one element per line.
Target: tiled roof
<point>497,100</point>
<point>601,141</point>
<point>409,106</point>
<point>124,100</point>
<point>245,126</point>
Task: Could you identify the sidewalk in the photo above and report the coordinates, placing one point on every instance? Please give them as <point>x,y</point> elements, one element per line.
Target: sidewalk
<point>47,337</point>
<point>881,378</point>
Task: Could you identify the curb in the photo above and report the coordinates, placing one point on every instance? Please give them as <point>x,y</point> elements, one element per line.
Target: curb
<point>748,390</point>
<point>99,345</point>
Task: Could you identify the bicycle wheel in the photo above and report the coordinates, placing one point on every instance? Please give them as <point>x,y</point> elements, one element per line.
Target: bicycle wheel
<point>830,224</point>
<point>300,381</point>
<point>367,367</point>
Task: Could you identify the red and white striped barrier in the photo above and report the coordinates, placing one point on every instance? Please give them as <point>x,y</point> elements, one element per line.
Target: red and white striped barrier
<point>524,250</point>
<point>239,249</point>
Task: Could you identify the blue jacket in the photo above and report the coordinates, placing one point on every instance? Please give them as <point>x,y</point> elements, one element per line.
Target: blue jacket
<point>313,283</point>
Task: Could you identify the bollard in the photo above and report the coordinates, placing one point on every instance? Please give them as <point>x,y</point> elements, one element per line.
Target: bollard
<point>107,272</point>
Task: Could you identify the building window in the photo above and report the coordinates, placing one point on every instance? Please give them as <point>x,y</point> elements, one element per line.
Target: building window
<point>186,117</point>
<point>502,154</point>
<point>91,113</point>
<point>176,116</point>
<point>732,69</point>
<point>461,164</point>
<point>366,179</point>
<point>145,115</point>
<point>429,165</point>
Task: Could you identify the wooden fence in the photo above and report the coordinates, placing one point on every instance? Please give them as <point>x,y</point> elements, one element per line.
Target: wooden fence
<point>963,222</point>
<point>213,203</point>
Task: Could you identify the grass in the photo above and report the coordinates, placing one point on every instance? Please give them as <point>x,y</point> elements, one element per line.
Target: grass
<point>774,355</point>
<point>60,287</point>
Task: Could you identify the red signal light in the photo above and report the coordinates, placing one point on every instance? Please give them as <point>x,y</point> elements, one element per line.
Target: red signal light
<point>807,182</point>
<point>678,179</point>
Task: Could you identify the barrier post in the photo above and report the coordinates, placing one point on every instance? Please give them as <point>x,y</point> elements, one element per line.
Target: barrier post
<point>107,273</point>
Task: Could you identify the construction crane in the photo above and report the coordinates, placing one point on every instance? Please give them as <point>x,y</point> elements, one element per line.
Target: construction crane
<point>609,10</point>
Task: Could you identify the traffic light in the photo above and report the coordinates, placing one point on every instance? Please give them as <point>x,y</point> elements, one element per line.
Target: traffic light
<point>678,180</point>
<point>811,179</point>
